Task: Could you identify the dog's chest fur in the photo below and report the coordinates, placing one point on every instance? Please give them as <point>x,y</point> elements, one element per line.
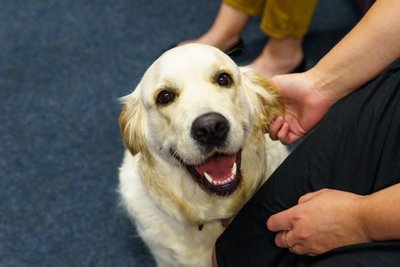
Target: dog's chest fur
<point>171,237</point>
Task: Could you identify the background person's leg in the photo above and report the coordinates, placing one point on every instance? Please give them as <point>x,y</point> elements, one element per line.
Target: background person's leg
<point>285,23</point>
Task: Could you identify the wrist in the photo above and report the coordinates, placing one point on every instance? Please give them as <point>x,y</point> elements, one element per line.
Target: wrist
<point>362,215</point>
<point>378,214</point>
<point>323,84</point>
<point>320,93</point>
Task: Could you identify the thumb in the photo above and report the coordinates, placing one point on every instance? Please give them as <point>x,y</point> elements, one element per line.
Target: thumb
<point>279,221</point>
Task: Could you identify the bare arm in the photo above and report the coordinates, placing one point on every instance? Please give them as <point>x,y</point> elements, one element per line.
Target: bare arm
<point>347,219</point>
<point>367,50</point>
<point>386,203</point>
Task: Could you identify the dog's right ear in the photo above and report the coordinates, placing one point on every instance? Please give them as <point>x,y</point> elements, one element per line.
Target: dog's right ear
<point>131,123</point>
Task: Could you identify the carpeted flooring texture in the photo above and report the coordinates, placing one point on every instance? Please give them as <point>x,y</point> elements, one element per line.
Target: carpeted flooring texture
<point>63,66</point>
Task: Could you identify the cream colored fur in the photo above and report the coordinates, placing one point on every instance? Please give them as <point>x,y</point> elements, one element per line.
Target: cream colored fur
<point>163,199</point>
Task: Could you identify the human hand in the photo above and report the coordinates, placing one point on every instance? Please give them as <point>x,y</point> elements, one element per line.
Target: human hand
<point>321,221</point>
<point>305,106</point>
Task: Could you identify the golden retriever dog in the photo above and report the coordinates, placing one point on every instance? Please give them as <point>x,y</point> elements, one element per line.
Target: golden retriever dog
<point>194,129</point>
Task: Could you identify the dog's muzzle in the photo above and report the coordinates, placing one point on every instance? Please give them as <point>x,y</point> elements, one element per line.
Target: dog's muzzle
<point>219,173</point>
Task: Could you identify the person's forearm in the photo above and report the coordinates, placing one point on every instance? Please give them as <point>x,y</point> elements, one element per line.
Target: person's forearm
<point>365,52</point>
<point>379,214</point>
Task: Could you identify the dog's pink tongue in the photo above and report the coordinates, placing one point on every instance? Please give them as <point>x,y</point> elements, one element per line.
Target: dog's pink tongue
<point>218,167</point>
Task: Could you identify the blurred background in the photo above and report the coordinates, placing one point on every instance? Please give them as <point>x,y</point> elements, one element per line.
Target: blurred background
<point>63,66</point>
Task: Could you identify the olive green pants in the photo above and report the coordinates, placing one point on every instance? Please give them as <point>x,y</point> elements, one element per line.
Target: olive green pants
<point>280,18</point>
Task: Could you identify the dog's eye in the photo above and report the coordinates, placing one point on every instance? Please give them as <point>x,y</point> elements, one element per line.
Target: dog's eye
<point>165,97</point>
<point>224,79</point>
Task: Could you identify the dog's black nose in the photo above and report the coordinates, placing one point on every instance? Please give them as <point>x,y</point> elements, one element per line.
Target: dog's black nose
<point>210,129</point>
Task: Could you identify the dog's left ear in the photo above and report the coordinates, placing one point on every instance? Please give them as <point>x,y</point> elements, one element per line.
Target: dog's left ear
<point>265,96</point>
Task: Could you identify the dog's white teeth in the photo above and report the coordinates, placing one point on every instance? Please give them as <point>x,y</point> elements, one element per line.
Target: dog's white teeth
<point>214,182</point>
<point>208,177</point>
<point>234,169</point>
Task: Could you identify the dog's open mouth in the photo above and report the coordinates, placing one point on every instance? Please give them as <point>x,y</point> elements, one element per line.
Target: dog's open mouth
<point>219,174</point>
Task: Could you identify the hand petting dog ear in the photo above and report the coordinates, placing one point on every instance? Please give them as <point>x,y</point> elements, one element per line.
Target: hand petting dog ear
<point>305,107</point>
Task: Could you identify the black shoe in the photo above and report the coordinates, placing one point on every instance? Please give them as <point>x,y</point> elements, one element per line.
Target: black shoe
<point>237,49</point>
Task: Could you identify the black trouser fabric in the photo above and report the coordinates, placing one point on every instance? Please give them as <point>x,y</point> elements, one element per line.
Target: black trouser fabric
<point>355,148</point>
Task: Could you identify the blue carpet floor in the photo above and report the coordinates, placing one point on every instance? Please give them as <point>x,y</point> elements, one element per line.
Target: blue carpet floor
<point>63,65</point>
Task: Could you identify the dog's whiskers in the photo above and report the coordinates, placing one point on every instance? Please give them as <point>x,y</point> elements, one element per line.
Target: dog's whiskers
<point>175,156</point>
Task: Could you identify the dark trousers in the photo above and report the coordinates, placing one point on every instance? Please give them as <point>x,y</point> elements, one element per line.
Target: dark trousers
<point>355,148</point>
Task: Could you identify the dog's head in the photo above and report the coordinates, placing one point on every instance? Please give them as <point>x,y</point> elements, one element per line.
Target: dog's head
<point>195,108</point>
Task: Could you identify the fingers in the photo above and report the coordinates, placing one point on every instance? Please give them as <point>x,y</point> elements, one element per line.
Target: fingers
<point>289,227</point>
<point>287,239</point>
<point>284,239</point>
<point>279,222</point>
<point>275,127</point>
<point>280,130</point>
<point>283,134</point>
